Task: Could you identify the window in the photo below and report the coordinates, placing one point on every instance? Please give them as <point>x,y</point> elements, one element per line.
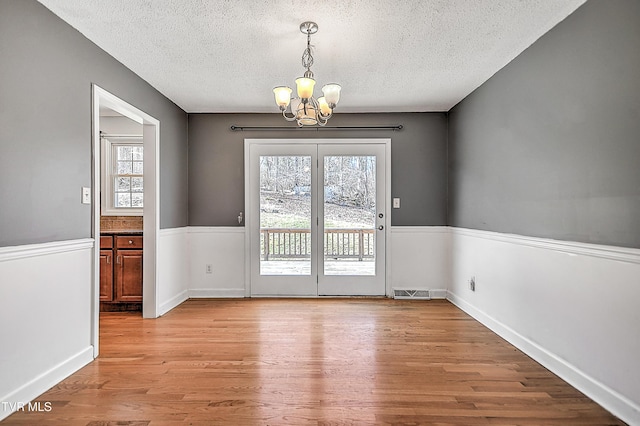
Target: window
<point>122,178</point>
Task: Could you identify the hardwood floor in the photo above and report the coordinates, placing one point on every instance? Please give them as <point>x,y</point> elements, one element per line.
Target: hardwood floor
<point>310,361</point>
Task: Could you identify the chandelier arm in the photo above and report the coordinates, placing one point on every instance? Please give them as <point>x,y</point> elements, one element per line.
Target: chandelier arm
<point>323,119</point>
<point>284,114</point>
<point>326,116</point>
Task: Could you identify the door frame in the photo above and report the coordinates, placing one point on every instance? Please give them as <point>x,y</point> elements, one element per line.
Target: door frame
<point>151,210</point>
<point>338,141</point>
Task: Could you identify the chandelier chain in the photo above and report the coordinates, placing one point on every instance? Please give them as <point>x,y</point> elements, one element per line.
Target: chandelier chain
<point>307,57</point>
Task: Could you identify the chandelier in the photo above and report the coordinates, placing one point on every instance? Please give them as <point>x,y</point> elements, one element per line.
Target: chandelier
<point>305,109</point>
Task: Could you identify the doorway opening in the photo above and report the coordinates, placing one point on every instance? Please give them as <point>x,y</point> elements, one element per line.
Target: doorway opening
<point>103,100</point>
<point>317,214</point>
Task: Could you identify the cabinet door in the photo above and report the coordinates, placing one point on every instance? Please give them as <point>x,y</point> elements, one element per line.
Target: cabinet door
<point>128,282</point>
<point>106,275</point>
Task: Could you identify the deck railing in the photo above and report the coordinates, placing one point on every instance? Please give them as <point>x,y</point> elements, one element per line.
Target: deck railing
<point>286,243</point>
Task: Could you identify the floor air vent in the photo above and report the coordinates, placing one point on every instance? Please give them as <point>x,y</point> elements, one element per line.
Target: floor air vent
<point>401,293</point>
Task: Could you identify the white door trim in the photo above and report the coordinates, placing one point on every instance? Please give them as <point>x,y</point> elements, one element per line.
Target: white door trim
<point>247,195</point>
<point>151,215</point>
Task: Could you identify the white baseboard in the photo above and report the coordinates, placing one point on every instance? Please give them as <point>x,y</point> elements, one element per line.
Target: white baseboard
<point>45,381</point>
<point>173,302</point>
<point>215,293</point>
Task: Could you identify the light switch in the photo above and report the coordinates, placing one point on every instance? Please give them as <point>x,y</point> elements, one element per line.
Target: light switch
<point>86,195</point>
<point>396,203</point>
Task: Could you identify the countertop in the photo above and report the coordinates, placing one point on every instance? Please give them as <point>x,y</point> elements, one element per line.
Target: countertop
<point>122,232</point>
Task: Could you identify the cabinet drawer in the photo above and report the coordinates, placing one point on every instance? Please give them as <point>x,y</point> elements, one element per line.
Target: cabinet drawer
<point>129,241</point>
<point>106,242</point>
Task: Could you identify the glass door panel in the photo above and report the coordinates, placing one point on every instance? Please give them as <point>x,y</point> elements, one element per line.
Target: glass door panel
<point>285,215</point>
<point>349,215</point>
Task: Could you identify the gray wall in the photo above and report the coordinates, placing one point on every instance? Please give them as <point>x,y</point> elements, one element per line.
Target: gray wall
<point>45,127</point>
<point>550,145</point>
<point>418,155</point>
<point>120,125</point>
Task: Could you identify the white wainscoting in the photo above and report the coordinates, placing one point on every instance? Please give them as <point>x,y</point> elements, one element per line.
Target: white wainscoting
<point>173,268</point>
<point>420,258</point>
<point>45,313</point>
<point>222,247</point>
<point>572,307</point>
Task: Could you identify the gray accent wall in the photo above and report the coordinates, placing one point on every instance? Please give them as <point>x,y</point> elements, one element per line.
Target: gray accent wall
<point>45,127</point>
<point>550,145</point>
<point>418,156</point>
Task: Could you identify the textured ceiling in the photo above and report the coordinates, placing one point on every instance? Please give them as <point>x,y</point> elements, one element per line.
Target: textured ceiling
<point>388,55</point>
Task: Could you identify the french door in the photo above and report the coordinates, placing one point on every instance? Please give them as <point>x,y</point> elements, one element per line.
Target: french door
<point>317,217</point>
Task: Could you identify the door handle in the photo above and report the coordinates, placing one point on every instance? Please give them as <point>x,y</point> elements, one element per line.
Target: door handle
<point>108,260</point>
<point>380,227</point>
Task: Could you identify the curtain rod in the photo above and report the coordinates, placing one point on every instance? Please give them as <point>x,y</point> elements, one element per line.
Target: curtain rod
<point>249,128</point>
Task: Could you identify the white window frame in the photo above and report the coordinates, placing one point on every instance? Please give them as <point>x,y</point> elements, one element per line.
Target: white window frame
<point>107,199</point>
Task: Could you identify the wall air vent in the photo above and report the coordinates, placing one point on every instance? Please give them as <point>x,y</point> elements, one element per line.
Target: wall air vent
<point>402,293</point>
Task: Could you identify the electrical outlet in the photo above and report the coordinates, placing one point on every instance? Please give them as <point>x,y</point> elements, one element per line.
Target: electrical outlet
<point>209,268</point>
<point>472,284</point>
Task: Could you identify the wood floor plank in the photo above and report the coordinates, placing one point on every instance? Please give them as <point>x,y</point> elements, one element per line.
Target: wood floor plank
<point>310,361</point>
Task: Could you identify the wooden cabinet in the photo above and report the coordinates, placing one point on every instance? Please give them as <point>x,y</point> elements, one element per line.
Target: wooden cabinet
<point>128,276</point>
<point>106,268</point>
<point>106,275</point>
<point>120,272</point>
